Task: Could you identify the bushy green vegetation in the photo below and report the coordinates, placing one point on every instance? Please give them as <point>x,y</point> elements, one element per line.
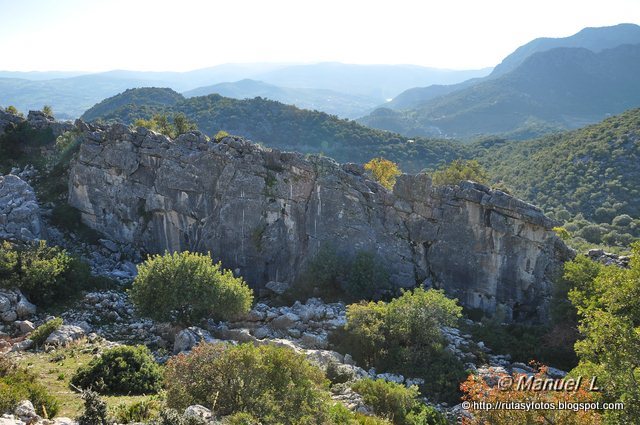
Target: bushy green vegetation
<point>459,170</point>
<point>95,410</point>
<point>21,146</point>
<point>286,127</point>
<point>587,178</point>
<point>44,274</point>
<point>404,336</point>
<point>139,411</point>
<point>397,403</point>
<point>187,287</point>
<point>336,276</point>
<point>274,384</point>
<point>547,344</point>
<point>121,370</point>
<point>608,314</point>
<point>177,125</point>
<point>17,384</point>
<point>152,97</point>
<point>42,332</point>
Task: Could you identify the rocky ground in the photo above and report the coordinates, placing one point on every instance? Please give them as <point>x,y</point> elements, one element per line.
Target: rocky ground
<point>109,317</point>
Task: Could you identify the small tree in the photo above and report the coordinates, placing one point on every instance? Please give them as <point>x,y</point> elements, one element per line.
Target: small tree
<point>47,110</point>
<point>121,370</point>
<point>188,287</point>
<point>182,124</point>
<point>384,171</point>
<point>95,410</point>
<point>12,110</point>
<point>460,170</point>
<point>161,123</point>
<point>220,135</point>
<point>274,384</point>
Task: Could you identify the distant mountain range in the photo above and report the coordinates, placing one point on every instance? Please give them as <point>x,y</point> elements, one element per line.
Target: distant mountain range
<point>353,90</point>
<point>545,85</point>
<point>329,101</point>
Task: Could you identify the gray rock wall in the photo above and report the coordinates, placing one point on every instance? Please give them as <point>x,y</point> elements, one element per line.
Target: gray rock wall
<point>265,213</point>
<point>19,211</point>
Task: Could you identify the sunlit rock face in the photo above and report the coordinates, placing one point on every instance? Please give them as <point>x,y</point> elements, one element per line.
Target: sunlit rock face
<point>265,213</point>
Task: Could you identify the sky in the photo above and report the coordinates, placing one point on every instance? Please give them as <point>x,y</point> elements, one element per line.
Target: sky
<point>181,35</point>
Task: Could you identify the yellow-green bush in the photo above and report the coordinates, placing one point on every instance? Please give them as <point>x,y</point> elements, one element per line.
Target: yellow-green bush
<point>188,287</point>
<point>274,384</point>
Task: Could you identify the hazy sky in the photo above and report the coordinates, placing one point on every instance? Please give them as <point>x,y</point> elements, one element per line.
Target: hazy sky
<point>188,34</point>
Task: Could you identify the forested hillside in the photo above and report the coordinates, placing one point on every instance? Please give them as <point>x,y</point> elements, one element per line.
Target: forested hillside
<point>282,126</point>
<point>591,174</point>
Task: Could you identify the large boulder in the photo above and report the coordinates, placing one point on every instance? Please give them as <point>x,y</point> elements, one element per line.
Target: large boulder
<point>266,213</point>
<point>19,211</point>
<point>188,338</point>
<point>65,335</point>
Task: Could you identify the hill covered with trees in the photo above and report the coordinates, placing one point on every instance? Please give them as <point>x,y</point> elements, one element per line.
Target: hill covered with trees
<point>280,126</point>
<point>591,174</point>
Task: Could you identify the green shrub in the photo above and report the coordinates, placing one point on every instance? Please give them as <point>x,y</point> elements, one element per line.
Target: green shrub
<point>241,418</point>
<point>188,287</point>
<point>17,384</point>
<point>95,410</point>
<point>220,135</point>
<point>44,274</point>
<point>324,271</point>
<point>12,110</point>
<point>335,276</point>
<point>340,415</point>
<point>397,403</point>
<point>121,370</point>
<point>367,276</point>
<point>274,384</point>
<point>140,411</point>
<point>168,417</point>
<point>42,332</point>
<point>404,336</point>
<point>459,170</point>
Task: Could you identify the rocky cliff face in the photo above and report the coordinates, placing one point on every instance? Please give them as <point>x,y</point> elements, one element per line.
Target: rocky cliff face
<point>265,213</point>
<point>37,120</point>
<point>19,211</point>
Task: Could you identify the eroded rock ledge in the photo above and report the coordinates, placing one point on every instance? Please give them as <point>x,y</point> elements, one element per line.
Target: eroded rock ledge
<point>265,213</point>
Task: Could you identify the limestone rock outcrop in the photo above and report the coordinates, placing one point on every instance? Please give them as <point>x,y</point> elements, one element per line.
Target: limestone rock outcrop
<point>266,213</point>
<point>19,211</point>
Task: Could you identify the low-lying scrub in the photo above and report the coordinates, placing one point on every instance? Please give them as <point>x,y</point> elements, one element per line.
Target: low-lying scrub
<point>121,370</point>
<point>42,332</point>
<point>403,336</point>
<point>274,384</point>
<point>17,384</point>
<point>44,274</point>
<point>397,403</point>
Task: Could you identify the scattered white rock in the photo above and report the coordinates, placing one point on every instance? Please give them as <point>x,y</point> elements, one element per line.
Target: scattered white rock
<point>198,411</point>
<point>65,335</point>
<point>278,287</point>
<point>24,326</point>
<point>25,309</point>
<point>188,338</point>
